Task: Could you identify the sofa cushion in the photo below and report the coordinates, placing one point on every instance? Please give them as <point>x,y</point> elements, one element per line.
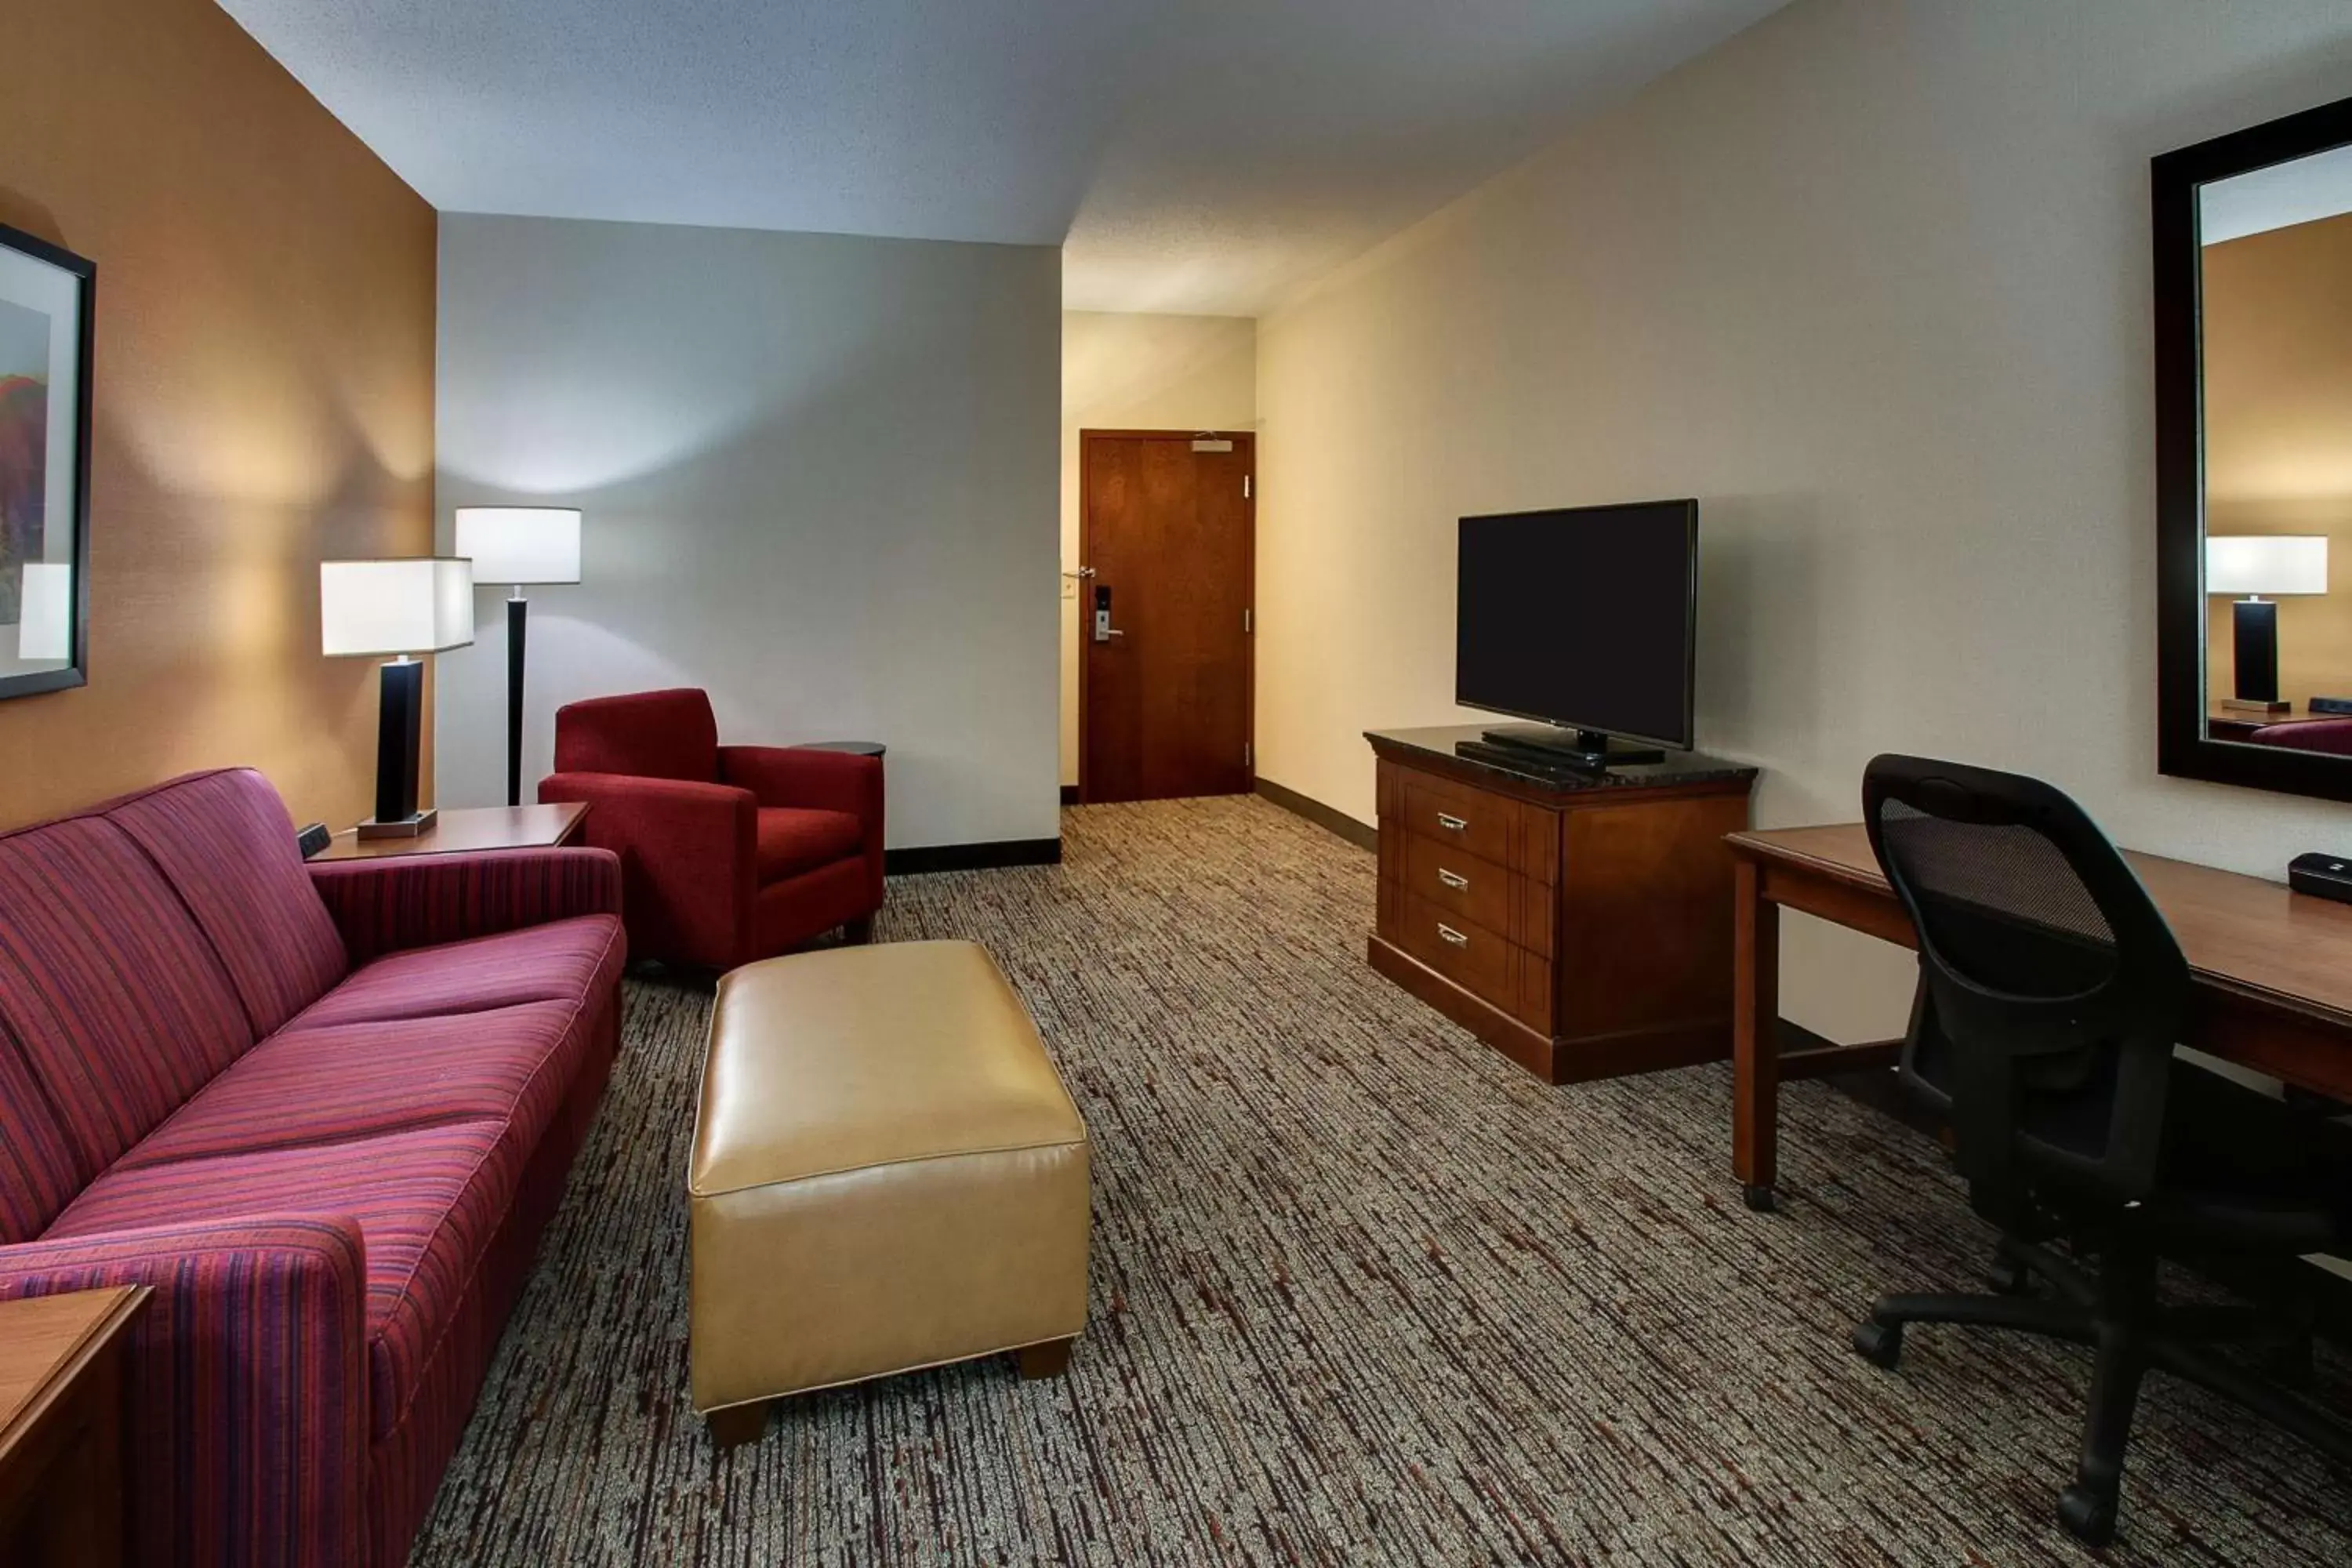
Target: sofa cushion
<point>351,1081</point>
<point>562,961</point>
<point>225,841</point>
<point>115,998</point>
<point>792,841</point>
<point>39,1174</point>
<point>427,1202</point>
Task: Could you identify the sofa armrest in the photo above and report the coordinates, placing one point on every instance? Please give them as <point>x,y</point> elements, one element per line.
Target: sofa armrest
<point>246,1384</point>
<point>687,855</point>
<point>420,900</point>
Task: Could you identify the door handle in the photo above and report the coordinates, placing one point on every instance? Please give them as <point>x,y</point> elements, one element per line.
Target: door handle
<point>1453,879</point>
<point>1451,824</point>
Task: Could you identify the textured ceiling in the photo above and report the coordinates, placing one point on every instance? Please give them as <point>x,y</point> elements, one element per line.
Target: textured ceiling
<point>1206,156</point>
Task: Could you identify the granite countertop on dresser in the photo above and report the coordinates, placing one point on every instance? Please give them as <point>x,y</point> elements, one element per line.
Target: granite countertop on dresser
<point>1679,768</point>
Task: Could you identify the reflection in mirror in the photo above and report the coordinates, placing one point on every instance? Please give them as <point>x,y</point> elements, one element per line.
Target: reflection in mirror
<point>2275,287</point>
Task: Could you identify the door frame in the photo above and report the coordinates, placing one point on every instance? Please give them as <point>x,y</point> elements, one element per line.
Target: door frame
<point>1243,440</point>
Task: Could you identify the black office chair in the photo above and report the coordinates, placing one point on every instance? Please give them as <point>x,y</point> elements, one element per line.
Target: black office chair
<point>2051,995</point>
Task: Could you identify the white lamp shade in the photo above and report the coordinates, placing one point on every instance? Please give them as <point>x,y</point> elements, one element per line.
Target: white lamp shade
<point>521,543</point>
<point>421,605</point>
<point>45,629</point>
<point>2266,563</point>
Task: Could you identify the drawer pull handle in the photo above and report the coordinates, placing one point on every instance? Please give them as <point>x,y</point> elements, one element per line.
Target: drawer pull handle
<point>1451,824</point>
<point>1453,879</point>
<point>1450,934</point>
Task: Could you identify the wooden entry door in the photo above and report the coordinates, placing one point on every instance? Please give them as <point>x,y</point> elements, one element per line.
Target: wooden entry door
<point>1167,533</point>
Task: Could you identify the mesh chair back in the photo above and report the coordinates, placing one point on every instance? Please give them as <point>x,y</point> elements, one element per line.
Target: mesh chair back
<point>2052,989</point>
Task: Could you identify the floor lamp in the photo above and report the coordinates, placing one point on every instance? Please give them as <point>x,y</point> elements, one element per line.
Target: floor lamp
<point>400,608</point>
<point>518,546</point>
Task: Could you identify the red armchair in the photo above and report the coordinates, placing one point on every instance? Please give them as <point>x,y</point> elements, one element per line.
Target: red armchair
<point>728,853</point>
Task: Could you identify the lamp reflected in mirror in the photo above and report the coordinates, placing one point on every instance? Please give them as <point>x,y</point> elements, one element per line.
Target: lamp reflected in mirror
<point>2257,571</point>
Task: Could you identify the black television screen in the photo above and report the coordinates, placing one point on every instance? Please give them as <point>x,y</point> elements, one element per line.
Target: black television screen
<point>1581,617</point>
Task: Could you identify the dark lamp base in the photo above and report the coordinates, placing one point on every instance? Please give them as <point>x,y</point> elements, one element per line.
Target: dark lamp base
<point>413,826</point>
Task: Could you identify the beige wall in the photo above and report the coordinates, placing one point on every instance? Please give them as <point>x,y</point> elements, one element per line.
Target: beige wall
<point>1141,372</point>
<point>2278,433</point>
<point>817,474</point>
<point>264,397</point>
<point>1873,281</point>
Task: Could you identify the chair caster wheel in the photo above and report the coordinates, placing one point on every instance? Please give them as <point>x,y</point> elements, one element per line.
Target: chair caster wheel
<point>2007,1278</point>
<point>2088,1516</point>
<point>1760,1198</point>
<point>1879,1344</point>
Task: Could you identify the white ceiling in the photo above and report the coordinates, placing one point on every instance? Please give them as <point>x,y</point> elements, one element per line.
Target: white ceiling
<point>1191,155</point>
<point>2303,191</point>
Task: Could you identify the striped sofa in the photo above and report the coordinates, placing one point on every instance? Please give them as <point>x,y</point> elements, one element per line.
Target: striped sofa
<point>324,1111</point>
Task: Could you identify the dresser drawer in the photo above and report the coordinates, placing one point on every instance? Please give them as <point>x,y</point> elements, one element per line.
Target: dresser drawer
<point>1479,890</point>
<point>1472,820</point>
<point>1479,960</point>
<point>1517,836</point>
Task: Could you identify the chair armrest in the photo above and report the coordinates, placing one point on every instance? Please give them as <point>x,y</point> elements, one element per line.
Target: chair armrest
<point>687,851</point>
<point>811,780</point>
<point>247,1381</point>
<point>420,900</point>
<point>815,780</point>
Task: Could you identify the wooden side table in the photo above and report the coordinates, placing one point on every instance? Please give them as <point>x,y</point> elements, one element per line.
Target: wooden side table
<point>462,829</point>
<point>61,1434</point>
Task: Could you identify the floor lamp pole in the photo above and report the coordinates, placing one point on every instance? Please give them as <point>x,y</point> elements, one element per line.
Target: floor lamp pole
<point>518,626</point>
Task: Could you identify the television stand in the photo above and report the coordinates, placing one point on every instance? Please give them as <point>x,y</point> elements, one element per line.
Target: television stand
<point>1573,748</point>
<point>1569,918</point>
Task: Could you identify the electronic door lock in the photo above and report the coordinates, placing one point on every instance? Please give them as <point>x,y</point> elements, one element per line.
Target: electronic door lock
<point>1104,630</point>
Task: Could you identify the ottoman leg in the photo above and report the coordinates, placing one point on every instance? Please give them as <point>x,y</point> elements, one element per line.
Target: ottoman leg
<point>858,933</point>
<point>1051,1359</point>
<point>738,1424</point>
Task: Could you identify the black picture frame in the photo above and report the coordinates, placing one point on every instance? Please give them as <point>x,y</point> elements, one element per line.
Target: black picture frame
<point>84,273</point>
<point>2184,749</point>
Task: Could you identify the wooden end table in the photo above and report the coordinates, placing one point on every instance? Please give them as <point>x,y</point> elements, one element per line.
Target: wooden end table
<point>61,1397</point>
<point>465,828</point>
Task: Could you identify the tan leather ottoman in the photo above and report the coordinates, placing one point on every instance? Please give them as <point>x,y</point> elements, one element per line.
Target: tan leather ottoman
<point>886,1175</point>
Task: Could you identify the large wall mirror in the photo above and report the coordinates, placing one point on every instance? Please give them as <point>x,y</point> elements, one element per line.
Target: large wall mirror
<point>2254,295</point>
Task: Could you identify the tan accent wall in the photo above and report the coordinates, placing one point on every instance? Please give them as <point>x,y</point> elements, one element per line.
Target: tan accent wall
<point>2278,433</point>
<point>1140,372</point>
<point>264,397</point>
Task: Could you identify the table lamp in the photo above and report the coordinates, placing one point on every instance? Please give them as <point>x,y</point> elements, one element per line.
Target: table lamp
<point>399,608</point>
<point>2256,564</point>
<point>518,545</point>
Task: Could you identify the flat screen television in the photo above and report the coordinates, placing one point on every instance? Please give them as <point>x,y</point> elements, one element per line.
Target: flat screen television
<point>1584,618</point>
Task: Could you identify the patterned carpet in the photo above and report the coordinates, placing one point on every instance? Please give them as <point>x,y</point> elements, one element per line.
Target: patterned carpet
<point>1364,1293</point>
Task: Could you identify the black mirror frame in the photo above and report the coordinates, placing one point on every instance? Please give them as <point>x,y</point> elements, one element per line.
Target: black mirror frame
<point>2183,748</point>
<point>85,272</point>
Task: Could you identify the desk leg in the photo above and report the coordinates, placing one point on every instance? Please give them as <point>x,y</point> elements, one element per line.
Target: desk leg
<point>1755,1040</point>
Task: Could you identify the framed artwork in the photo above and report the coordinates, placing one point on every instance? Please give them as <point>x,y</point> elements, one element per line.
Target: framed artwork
<point>47,297</point>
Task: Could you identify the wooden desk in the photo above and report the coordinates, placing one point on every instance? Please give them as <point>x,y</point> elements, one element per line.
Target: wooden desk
<point>465,828</point>
<point>61,1426</point>
<point>2271,988</point>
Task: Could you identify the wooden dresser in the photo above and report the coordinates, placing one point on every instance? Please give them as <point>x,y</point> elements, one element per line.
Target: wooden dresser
<point>1580,924</point>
